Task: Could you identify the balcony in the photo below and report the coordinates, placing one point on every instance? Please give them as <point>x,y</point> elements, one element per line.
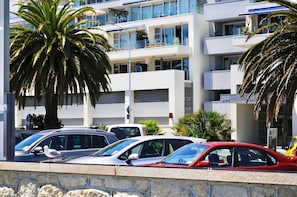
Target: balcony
<point>240,41</point>
<point>149,80</point>
<point>224,10</point>
<point>221,45</point>
<point>150,51</point>
<point>217,80</point>
<point>223,79</point>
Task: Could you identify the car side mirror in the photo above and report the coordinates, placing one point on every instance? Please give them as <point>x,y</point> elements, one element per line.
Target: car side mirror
<point>204,163</point>
<point>133,156</point>
<point>37,150</point>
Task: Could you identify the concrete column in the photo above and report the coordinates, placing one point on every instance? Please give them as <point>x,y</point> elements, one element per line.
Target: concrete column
<point>88,111</point>
<point>129,102</point>
<point>4,77</point>
<point>176,96</point>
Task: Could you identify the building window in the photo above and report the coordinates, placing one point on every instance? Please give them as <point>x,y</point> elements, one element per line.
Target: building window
<point>228,61</point>
<point>157,10</point>
<point>262,22</point>
<point>125,40</point>
<point>233,29</point>
<point>135,13</point>
<point>172,35</point>
<point>169,64</point>
<point>146,12</point>
<point>120,68</point>
<point>170,8</point>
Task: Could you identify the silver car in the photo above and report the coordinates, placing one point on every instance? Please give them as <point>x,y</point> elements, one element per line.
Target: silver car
<point>135,151</point>
<point>67,141</point>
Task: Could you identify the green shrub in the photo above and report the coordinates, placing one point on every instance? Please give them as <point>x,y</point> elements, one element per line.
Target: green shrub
<point>209,125</point>
<point>152,126</point>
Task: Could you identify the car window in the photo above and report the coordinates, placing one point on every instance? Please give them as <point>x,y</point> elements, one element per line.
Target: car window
<point>114,148</point>
<point>292,143</point>
<point>26,143</point>
<point>151,148</point>
<point>173,144</point>
<point>125,132</point>
<point>79,142</point>
<point>186,155</point>
<point>220,157</point>
<point>54,142</point>
<point>98,141</point>
<point>254,157</point>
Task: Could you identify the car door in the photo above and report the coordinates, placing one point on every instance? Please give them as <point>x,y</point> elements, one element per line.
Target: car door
<point>84,144</point>
<point>57,142</point>
<point>148,152</point>
<point>154,150</point>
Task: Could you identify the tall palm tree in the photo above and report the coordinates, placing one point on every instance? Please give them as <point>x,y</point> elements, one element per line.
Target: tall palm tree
<point>55,56</point>
<point>270,67</point>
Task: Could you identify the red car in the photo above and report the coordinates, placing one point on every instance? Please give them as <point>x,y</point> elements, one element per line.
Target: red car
<point>229,156</point>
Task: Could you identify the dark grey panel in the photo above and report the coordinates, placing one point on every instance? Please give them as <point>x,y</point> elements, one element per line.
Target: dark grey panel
<point>69,100</point>
<point>108,121</point>
<point>151,96</point>
<point>72,121</point>
<point>188,100</point>
<point>112,97</point>
<point>1,117</point>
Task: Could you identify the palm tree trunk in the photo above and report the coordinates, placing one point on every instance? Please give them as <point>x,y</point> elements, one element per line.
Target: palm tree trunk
<point>51,112</point>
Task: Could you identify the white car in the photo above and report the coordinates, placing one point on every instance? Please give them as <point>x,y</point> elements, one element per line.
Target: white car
<point>135,151</point>
<point>127,130</point>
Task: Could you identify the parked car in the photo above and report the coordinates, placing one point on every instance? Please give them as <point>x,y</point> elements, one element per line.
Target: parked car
<point>127,130</point>
<point>228,156</point>
<point>292,148</point>
<point>68,141</point>
<point>20,135</point>
<point>136,150</point>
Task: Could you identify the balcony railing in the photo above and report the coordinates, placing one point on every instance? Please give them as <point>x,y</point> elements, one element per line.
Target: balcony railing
<point>151,43</point>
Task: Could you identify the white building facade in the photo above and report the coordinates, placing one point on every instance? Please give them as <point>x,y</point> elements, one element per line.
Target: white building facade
<point>172,58</point>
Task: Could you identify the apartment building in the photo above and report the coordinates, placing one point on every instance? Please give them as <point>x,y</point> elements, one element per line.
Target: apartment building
<point>172,58</point>
<point>157,64</point>
<point>224,46</point>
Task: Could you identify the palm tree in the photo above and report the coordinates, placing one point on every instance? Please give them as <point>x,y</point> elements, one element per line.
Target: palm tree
<point>270,67</point>
<point>56,56</point>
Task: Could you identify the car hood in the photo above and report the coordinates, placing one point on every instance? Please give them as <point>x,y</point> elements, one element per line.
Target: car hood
<point>97,160</point>
<point>20,153</point>
<point>165,165</point>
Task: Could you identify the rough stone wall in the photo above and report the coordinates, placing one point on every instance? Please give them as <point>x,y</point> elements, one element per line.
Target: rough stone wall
<point>25,184</point>
<point>63,180</point>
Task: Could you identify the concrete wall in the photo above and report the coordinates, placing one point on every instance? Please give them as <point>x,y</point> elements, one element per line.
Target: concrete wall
<point>247,126</point>
<point>49,179</point>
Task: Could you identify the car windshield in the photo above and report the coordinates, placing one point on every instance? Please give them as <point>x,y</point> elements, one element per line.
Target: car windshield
<point>125,132</point>
<point>185,155</point>
<point>114,148</point>
<point>292,143</point>
<point>26,143</point>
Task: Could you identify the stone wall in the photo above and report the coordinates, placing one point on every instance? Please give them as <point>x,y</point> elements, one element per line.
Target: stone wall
<point>69,180</point>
